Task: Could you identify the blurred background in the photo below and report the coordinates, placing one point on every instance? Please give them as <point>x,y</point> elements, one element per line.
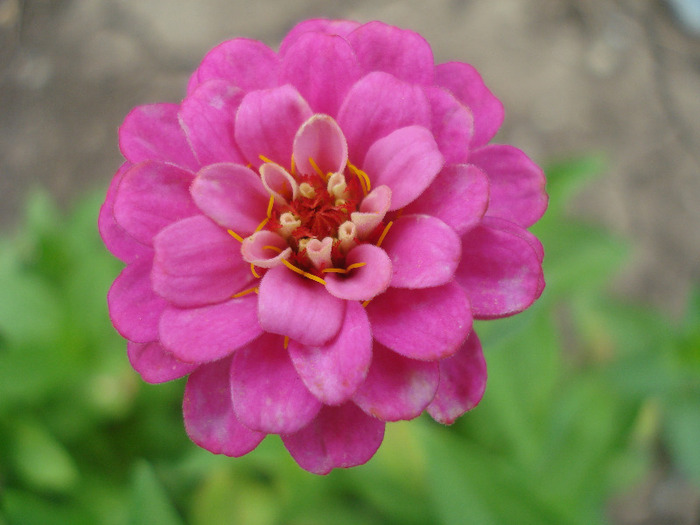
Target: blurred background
<point>592,412</point>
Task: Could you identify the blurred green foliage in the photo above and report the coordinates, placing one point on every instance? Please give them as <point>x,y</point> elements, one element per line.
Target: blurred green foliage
<point>582,388</point>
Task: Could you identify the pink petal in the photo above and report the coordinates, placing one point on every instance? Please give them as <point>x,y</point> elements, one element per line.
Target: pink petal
<point>377,105</point>
<point>452,125</point>
<point>267,122</point>
<point>373,208</point>
<point>323,68</point>
<point>333,372</point>
<point>500,270</point>
<point>244,63</point>
<point>200,335</point>
<point>118,242</point>
<point>424,251</point>
<point>402,53</point>
<point>458,196</point>
<point>208,411</point>
<point>465,83</point>
<point>517,184</point>
<point>462,382</point>
<point>339,437</point>
<point>155,364</point>
<point>255,249</point>
<point>153,132</point>
<point>197,262</point>
<point>231,195</point>
<point>151,196</point>
<point>407,160</point>
<point>513,228</point>
<point>317,25</point>
<point>397,388</point>
<point>425,324</point>
<point>267,393</point>
<point>299,308</point>
<point>133,306</point>
<point>365,282</point>
<point>207,116</point>
<point>320,139</point>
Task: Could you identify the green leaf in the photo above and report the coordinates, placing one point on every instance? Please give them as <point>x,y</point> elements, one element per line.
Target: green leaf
<point>150,504</point>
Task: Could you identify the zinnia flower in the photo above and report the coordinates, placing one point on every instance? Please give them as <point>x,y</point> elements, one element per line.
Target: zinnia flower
<point>309,234</point>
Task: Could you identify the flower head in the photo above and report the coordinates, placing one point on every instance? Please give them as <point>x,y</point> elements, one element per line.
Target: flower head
<point>309,234</point>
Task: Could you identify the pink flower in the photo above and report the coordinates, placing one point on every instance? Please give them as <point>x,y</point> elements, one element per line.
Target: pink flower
<point>309,235</point>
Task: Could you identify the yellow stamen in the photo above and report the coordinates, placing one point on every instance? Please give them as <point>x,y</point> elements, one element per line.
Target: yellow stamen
<point>365,303</point>
<point>252,269</point>
<point>294,167</point>
<point>344,270</point>
<point>262,224</point>
<point>273,248</point>
<point>269,206</point>
<point>246,292</point>
<point>286,341</point>
<point>362,177</point>
<point>386,230</point>
<point>317,169</point>
<point>302,272</point>
<point>265,159</point>
<point>235,235</point>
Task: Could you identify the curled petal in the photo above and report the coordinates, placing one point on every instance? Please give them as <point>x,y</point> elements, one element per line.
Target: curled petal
<point>517,184</point>
<point>500,270</point>
<point>452,125</point>
<point>339,437</point>
<point>424,251</point>
<point>323,68</point>
<point>244,63</point>
<point>458,196</point>
<point>407,160</point>
<point>209,418</point>
<point>320,139</point>
<point>465,83</point>
<point>207,116</point>
<point>266,123</point>
<point>397,388</point>
<point>278,183</point>
<point>319,252</point>
<point>231,195</point>
<point>268,395</point>
<point>377,105</point>
<point>317,25</point>
<point>425,324</point>
<point>402,53</point>
<point>299,308</point>
<point>155,364</point>
<point>153,132</point>
<point>462,382</point>
<point>133,306</point>
<point>373,208</point>
<point>200,335</point>
<point>365,282</point>
<point>118,242</point>
<point>151,196</point>
<point>256,249</point>
<point>183,276</point>
<point>332,372</point>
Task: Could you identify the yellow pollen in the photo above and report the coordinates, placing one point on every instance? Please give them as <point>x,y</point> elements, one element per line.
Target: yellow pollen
<point>273,248</point>
<point>317,169</point>
<point>252,269</point>
<point>286,341</point>
<point>269,206</point>
<point>386,230</point>
<point>344,270</point>
<point>294,167</point>
<point>265,159</point>
<point>246,292</point>
<point>262,224</point>
<point>235,235</point>
<point>302,272</point>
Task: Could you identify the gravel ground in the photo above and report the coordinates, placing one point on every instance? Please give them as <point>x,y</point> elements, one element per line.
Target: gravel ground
<point>619,77</point>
